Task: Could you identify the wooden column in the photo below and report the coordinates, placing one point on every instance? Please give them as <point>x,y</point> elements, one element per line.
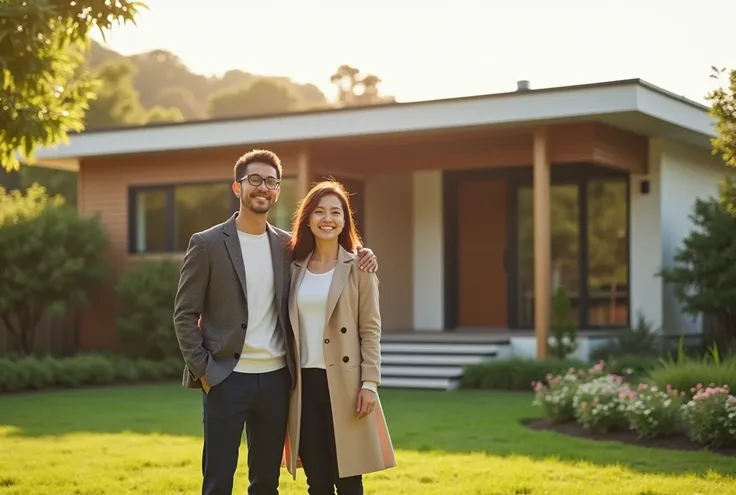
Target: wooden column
<point>303,174</point>
<point>542,242</point>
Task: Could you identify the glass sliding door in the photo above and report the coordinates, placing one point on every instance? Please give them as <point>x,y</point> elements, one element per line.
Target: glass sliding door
<point>565,233</point>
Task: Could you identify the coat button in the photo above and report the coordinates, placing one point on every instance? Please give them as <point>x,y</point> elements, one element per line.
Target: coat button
<point>344,330</point>
<point>345,359</point>
<point>327,341</point>
<point>243,326</point>
<point>236,355</point>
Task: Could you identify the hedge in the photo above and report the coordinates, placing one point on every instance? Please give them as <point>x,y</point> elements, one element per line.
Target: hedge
<point>36,373</point>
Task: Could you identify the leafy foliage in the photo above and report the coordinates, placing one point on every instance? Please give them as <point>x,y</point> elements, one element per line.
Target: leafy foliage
<point>33,373</point>
<point>146,293</point>
<point>640,340</point>
<point>43,95</point>
<point>117,102</point>
<point>723,108</point>
<point>703,275</point>
<point>562,326</point>
<point>355,88</point>
<point>711,416</point>
<point>259,96</point>
<point>50,257</point>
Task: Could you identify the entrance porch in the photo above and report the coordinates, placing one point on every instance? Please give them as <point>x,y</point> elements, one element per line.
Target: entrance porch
<point>475,231</point>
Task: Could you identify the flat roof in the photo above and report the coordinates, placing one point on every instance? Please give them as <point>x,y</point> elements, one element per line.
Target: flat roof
<point>631,104</point>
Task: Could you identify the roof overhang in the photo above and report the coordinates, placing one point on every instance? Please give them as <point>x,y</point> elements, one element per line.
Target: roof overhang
<point>630,104</point>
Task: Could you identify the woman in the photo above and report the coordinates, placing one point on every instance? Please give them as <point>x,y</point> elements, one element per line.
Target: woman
<point>336,422</point>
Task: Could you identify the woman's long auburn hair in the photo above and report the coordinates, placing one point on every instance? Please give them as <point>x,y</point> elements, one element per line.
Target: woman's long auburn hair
<point>302,238</point>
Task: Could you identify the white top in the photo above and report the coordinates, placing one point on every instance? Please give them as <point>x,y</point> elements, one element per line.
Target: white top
<point>263,349</point>
<point>311,303</point>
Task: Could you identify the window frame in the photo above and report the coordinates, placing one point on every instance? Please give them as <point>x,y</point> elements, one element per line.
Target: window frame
<point>168,189</point>
<point>516,178</point>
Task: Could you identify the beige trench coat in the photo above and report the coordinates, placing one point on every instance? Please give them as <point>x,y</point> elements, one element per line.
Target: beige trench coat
<point>352,354</point>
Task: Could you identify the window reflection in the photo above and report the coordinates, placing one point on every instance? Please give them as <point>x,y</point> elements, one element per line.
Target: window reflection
<point>199,207</point>
<point>165,217</point>
<point>150,221</point>
<point>608,243</point>
<point>565,248</point>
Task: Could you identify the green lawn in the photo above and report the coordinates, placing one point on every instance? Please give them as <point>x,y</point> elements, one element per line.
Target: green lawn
<point>147,440</point>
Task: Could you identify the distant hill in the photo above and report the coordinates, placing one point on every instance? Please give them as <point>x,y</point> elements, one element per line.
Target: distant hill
<point>163,79</point>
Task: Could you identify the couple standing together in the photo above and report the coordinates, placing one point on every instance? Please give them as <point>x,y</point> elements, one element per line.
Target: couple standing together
<point>282,334</point>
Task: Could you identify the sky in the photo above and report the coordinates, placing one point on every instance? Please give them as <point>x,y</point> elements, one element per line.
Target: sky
<point>425,50</point>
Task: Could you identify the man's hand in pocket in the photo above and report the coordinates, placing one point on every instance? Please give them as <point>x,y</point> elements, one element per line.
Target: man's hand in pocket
<point>205,385</point>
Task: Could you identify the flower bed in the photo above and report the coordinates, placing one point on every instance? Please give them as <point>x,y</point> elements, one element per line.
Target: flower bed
<point>606,404</point>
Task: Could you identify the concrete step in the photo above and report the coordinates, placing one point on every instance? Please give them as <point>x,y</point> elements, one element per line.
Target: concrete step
<point>422,371</point>
<point>439,348</point>
<point>432,359</point>
<point>420,383</point>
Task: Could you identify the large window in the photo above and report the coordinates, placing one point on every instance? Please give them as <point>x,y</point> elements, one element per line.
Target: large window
<point>565,233</point>
<point>163,218</point>
<point>589,248</point>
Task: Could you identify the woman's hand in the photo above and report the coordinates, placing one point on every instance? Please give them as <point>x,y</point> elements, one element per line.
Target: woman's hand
<point>366,402</point>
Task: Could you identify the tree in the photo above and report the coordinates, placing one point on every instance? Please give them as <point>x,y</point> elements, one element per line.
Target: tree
<point>260,96</point>
<point>56,182</point>
<point>563,340</point>
<point>355,88</point>
<point>50,257</point>
<point>117,102</point>
<point>703,275</point>
<point>159,114</point>
<point>182,98</point>
<point>723,108</point>
<point>146,293</point>
<point>43,96</point>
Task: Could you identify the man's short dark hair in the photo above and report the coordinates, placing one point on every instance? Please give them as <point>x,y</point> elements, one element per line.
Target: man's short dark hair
<point>256,156</point>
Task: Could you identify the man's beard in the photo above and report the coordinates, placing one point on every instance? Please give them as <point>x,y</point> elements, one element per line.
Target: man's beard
<point>261,210</point>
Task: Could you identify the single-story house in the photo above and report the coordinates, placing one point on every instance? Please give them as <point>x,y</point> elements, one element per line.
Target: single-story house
<point>478,208</point>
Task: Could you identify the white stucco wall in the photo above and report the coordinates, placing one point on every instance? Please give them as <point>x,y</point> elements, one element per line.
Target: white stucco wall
<point>687,173</point>
<point>428,259</point>
<point>389,233</point>
<point>659,222</point>
<point>645,241</point>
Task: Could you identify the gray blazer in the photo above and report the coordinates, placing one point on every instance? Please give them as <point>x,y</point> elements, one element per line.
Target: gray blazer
<point>212,284</point>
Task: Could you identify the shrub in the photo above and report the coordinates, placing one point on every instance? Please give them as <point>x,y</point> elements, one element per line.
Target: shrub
<point>563,341</point>
<point>514,373</point>
<point>632,367</point>
<point>685,373</point>
<point>710,416</point>
<point>146,293</point>
<point>652,412</point>
<point>31,373</point>
<point>50,258</point>
<point>640,340</point>
<point>556,394</point>
<point>598,405</point>
<point>701,275</point>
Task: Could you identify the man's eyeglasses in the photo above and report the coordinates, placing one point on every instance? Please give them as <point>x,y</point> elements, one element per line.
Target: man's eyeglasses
<point>256,180</point>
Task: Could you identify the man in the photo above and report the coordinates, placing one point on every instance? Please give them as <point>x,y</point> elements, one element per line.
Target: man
<point>236,277</point>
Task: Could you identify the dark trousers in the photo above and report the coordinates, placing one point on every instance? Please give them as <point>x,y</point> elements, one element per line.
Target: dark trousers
<point>260,402</point>
<point>317,439</point>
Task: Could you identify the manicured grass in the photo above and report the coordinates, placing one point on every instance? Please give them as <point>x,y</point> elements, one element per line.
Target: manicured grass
<point>147,440</point>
